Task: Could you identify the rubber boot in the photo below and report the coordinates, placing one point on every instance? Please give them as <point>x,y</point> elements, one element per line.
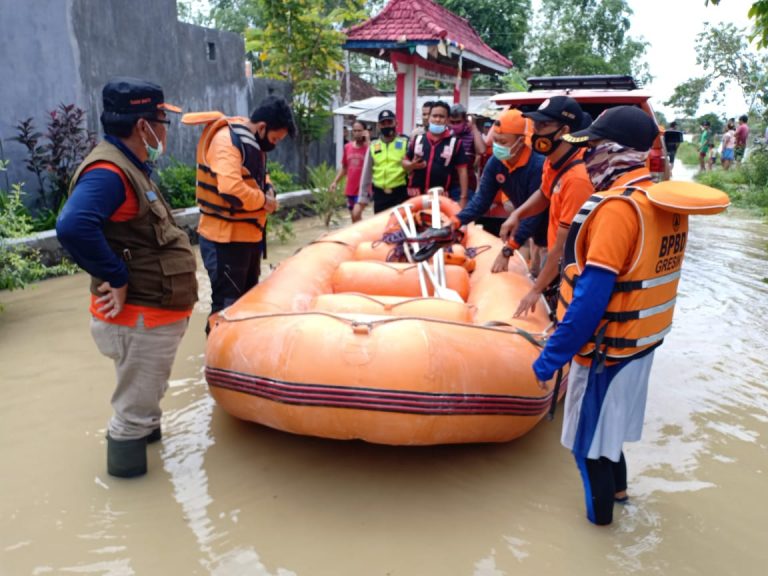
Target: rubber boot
<point>155,436</point>
<point>126,458</point>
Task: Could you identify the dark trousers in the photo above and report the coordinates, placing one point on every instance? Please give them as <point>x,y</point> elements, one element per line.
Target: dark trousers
<point>233,268</point>
<point>385,200</point>
<point>602,479</point>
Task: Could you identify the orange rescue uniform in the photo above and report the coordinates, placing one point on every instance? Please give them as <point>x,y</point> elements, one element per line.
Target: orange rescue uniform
<point>567,186</point>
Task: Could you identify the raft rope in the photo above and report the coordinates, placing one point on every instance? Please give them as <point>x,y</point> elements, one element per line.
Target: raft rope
<point>367,326</point>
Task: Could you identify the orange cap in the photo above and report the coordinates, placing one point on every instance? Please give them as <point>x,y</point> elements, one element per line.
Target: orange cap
<point>512,122</point>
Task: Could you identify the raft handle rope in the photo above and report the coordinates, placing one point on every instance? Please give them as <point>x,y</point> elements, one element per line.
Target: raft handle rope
<point>535,338</point>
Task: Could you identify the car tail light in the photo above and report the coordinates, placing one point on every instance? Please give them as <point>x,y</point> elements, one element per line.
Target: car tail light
<point>656,161</point>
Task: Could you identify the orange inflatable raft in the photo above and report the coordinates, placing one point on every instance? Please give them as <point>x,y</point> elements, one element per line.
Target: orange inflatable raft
<point>339,343</point>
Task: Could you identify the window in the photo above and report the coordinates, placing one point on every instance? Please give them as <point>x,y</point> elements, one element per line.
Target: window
<point>211,51</point>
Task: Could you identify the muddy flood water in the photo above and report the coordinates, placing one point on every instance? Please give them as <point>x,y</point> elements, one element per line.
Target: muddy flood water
<point>227,497</point>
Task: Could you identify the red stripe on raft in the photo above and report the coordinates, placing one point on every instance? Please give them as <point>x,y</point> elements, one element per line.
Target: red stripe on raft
<point>359,398</point>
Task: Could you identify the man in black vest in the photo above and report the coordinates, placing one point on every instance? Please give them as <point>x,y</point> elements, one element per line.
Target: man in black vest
<point>117,227</point>
<point>434,157</point>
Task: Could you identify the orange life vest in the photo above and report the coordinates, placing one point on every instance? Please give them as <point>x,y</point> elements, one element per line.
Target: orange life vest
<point>639,313</point>
<point>212,203</point>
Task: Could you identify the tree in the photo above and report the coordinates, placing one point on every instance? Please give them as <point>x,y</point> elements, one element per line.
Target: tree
<point>687,96</point>
<point>300,42</point>
<point>725,52</point>
<point>503,25</point>
<point>758,12</point>
<point>725,55</point>
<point>586,37</point>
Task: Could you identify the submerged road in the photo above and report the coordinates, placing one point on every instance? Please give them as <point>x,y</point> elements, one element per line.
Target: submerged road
<point>226,497</point>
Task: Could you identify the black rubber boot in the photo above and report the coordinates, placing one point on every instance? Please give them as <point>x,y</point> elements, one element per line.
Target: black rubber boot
<point>155,436</point>
<point>126,458</point>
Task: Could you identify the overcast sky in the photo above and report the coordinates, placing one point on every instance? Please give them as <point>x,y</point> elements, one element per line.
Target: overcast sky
<point>671,27</point>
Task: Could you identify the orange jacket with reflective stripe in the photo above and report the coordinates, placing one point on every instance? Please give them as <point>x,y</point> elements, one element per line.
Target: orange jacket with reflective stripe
<point>639,313</point>
<point>232,201</point>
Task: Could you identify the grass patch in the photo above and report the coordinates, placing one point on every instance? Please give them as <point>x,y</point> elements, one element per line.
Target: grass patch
<point>746,185</point>
<point>688,154</point>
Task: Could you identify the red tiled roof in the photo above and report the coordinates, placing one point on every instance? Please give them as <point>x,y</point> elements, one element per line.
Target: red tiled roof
<point>423,20</point>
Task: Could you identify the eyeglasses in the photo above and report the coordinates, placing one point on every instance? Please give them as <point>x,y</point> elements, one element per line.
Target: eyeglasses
<point>158,121</point>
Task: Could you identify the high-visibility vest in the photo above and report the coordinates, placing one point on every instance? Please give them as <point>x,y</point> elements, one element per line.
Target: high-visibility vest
<point>217,208</point>
<point>387,162</point>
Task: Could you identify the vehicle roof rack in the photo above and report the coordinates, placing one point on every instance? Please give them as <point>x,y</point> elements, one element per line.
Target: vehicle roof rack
<point>617,81</point>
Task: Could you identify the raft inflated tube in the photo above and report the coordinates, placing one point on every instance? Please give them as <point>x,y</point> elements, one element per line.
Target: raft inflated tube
<point>376,250</point>
<point>433,308</point>
<point>687,197</point>
<point>392,279</point>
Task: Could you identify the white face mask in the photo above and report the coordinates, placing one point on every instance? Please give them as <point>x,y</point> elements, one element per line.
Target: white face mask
<point>153,153</point>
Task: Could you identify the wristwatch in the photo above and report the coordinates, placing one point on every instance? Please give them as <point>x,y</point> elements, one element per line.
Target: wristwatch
<point>507,251</point>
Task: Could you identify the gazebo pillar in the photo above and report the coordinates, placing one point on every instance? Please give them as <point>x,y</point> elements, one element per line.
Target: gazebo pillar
<point>461,90</point>
<point>406,95</point>
<point>409,69</point>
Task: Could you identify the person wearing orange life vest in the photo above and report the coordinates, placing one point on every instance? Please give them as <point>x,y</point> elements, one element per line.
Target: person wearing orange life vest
<point>622,262</point>
<point>118,227</point>
<point>235,196</point>
<point>565,186</point>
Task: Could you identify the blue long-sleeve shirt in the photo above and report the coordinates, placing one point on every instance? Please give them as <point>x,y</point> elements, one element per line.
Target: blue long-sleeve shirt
<point>518,186</point>
<point>590,299</point>
<point>98,194</point>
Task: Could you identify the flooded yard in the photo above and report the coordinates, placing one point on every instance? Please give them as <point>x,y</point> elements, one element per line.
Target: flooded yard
<point>227,497</point>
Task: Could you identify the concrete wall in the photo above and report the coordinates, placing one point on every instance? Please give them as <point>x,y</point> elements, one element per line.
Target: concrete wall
<point>64,51</point>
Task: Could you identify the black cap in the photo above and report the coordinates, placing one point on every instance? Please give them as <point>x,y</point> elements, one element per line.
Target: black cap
<point>386,115</point>
<point>625,125</point>
<point>562,109</point>
<point>131,98</point>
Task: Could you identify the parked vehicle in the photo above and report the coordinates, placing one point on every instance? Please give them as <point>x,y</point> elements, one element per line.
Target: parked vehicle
<point>595,94</point>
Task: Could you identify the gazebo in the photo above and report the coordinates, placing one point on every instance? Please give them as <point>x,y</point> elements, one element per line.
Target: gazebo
<point>424,40</point>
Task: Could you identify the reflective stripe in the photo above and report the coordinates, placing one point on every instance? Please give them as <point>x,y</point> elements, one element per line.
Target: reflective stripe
<point>637,343</point>
<point>586,208</point>
<point>637,314</point>
<point>651,283</point>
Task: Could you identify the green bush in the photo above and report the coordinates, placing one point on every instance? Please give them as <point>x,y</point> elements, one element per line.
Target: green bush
<point>746,185</point>
<point>281,180</point>
<point>20,265</point>
<point>325,202</point>
<point>177,183</point>
<point>280,227</point>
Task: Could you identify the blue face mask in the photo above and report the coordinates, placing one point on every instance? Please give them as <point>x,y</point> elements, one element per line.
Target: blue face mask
<point>437,129</point>
<point>501,152</point>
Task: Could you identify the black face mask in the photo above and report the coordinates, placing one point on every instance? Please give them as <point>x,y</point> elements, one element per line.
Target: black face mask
<point>388,131</point>
<point>545,143</point>
<point>264,143</point>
